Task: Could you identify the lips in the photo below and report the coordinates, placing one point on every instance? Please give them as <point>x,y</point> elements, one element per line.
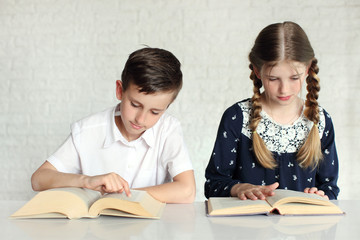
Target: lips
<point>284,98</point>
<point>137,127</point>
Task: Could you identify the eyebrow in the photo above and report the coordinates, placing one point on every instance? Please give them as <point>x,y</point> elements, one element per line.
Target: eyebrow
<point>153,109</point>
<point>299,74</point>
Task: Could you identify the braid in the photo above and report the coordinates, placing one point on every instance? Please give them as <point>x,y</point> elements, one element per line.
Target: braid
<point>310,153</point>
<point>278,42</point>
<point>256,104</point>
<point>262,154</point>
<point>313,87</point>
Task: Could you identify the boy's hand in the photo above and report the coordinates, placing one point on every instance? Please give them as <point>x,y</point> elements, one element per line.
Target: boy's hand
<point>316,191</point>
<point>108,183</point>
<point>254,192</point>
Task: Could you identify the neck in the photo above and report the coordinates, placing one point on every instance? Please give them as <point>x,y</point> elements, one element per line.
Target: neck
<point>283,114</point>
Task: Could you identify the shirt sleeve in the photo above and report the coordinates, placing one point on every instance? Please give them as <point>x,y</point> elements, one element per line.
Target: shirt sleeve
<point>222,165</point>
<point>327,173</point>
<point>175,157</point>
<point>66,158</point>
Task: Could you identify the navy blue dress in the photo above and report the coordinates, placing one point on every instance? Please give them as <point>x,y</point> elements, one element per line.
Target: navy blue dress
<point>233,160</point>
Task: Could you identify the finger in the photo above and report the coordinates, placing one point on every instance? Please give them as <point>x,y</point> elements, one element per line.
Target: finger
<point>120,190</point>
<point>259,195</point>
<point>242,196</point>
<point>103,190</point>
<point>127,189</point>
<point>313,190</point>
<point>269,190</point>
<point>306,190</point>
<point>251,195</point>
<point>273,186</point>
<point>110,186</point>
<point>320,193</point>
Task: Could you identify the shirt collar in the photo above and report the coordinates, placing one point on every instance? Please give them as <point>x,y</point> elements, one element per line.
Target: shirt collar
<point>113,133</point>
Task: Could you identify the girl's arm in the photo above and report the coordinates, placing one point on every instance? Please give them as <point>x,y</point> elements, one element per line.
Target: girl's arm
<point>328,170</point>
<point>223,162</point>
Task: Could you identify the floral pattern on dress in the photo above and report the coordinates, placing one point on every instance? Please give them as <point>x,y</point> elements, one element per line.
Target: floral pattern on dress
<point>280,138</point>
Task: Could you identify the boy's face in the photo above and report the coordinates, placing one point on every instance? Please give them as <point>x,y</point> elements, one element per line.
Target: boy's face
<point>139,111</point>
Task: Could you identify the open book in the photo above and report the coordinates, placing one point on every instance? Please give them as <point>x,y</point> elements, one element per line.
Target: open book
<point>84,203</point>
<point>284,202</point>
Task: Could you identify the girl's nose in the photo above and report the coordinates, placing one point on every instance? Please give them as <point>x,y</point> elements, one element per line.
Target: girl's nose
<point>284,86</point>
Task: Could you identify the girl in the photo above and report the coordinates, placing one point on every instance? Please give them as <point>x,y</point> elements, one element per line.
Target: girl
<point>276,139</point>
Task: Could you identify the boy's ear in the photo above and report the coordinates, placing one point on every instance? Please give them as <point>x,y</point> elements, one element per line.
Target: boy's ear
<point>119,89</point>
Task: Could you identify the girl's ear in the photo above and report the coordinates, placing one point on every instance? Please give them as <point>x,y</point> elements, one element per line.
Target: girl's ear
<point>119,89</point>
<point>257,73</point>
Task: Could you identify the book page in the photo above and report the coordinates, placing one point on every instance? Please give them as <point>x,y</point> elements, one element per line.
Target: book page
<point>87,195</point>
<point>285,196</point>
<point>235,206</point>
<point>136,196</point>
<point>139,203</point>
<point>70,202</point>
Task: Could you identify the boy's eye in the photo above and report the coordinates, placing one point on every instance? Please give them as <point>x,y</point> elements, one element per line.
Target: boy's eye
<point>155,113</point>
<point>134,105</point>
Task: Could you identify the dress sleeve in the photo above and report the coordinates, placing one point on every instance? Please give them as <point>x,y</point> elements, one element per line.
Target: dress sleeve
<point>220,170</point>
<point>328,170</point>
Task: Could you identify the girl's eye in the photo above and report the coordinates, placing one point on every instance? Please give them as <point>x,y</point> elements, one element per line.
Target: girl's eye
<point>272,79</point>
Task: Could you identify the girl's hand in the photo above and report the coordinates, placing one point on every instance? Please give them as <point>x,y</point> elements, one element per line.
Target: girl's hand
<point>254,192</point>
<point>107,183</point>
<point>316,191</point>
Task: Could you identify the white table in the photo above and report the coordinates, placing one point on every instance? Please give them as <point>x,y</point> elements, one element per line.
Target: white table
<point>185,221</point>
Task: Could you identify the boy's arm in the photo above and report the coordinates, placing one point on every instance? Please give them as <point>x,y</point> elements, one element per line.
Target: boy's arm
<point>47,177</point>
<point>181,190</point>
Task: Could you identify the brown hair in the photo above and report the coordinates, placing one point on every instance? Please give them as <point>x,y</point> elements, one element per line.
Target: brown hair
<point>275,43</point>
<point>152,70</point>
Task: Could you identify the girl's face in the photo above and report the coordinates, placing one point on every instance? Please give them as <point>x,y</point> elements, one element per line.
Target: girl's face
<point>282,82</point>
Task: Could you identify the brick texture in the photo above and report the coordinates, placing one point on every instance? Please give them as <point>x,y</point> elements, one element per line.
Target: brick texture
<point>59,61</point>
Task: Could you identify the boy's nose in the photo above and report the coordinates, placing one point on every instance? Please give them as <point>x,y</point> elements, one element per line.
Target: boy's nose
<point>140,117</point>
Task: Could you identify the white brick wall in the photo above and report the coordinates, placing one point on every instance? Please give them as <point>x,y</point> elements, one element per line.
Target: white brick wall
<point>59,61</point>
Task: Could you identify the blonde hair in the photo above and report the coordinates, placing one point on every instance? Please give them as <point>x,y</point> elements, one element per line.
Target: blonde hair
<point>277,42</point>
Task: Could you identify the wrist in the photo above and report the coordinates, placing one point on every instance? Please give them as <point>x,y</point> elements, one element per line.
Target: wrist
<point>84,181</point>
<point>237,188</point>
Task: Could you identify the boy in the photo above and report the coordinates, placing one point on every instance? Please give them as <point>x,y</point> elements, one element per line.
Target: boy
<point>133,145</point>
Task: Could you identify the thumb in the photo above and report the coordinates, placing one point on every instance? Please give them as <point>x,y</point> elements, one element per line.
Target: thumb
<point>274,186</point>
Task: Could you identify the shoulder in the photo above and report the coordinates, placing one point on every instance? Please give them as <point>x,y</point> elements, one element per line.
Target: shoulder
<point>168,120</point>
<point>325,124</point>
<point>238,111</point>
<point>166,124</point>
<point>94,121</point>
<point>323,112</point>
<point>325,118</point>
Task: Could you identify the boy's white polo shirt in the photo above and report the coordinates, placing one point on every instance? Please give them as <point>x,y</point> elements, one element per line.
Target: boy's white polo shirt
<point>96,146</point>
